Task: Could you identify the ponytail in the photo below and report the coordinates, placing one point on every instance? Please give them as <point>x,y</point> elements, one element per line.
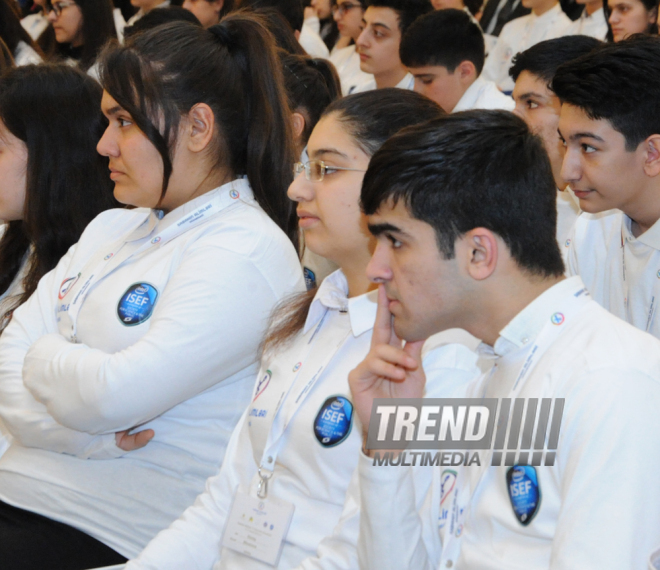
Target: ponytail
<point>232,67</point>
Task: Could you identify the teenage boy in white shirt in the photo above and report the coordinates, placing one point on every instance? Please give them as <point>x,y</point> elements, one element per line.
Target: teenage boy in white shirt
<point>383,24</point>
<point>533,70</point>
<point>444,51</point>
<point>464,215</point>
<point>592,21</point>
<point>547,21</point>
<point>610,122</point>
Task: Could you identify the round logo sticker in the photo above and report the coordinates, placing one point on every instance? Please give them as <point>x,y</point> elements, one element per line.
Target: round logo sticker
<point>234,194</point>
<point>568,242</point>
<point>557,319</point>
<point>137,304</point>
<point>156,239</point>
<point>66,285</point>
<point>263,384</point>
<point>333,422</point>
<point>297,367</point>
<point>108,256</point>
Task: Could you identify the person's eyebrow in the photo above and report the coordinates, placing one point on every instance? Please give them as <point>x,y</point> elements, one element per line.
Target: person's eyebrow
<point>378,229</point>
<point>577,136</point>
<point>530,94</point>
<point>321,152</point>
<point>381,25</point>
<point>113,110</point>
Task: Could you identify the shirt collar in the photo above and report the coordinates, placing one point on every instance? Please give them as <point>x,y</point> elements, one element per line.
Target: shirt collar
<point>598,14</point>
<point>408,82</point>
<point>650,237</point>
<point>527,324</point>
<point>333,294</point>
<point>547,16</point>
<point>469,98</point>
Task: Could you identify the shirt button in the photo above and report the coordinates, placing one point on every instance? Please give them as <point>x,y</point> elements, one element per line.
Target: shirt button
<point>449,564</point>
<point>525,340</point>
<point>270,460</point>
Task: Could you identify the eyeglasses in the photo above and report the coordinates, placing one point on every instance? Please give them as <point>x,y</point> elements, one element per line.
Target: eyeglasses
<point>315,170</point>
<point>57,7</point>
<point>341,9</point>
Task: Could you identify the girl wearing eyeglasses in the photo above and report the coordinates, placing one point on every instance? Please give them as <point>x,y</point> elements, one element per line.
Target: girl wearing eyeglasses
<point>294,450</point>
<point>153,319</point>
<point>348,16</point>
<point>82,28</point>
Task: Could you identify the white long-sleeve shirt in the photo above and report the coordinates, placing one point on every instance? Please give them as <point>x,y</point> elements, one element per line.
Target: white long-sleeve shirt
<point>599,502</point>
<point>483,94</point>
<point>167,339</point>
<point>519,35</point>
<point>615,266</point>
<point>594,25</point>
<point>347,63</point>
<point>312,475</point>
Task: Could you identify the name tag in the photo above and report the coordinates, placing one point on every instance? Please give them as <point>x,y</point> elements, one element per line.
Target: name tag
<point>257,527</point>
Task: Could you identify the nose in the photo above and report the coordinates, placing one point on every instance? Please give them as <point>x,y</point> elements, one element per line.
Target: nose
<point>378,268</point>
<point>301,189</point>
<point>107,146</point>
<point>614,18</point>
<point>571,170</point>
<point>519,110</point>
<point>51,17</point>
<point>362,40</point>
<point>187,5</point>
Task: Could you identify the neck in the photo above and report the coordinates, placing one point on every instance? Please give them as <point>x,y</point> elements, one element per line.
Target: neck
<point>355,270</point>
<point>645,213</point>
<point>591,7</point>
<point>504,302</point>
<point>213,180</point>
<point>544,7</point>
<point>390,78</point>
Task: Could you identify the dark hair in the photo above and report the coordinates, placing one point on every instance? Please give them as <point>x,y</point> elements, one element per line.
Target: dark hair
<point>617,82</point>
<point>55,111</point>
<point>370,118</point>
<point>98,26</point>
<point>282,31</point>
<point>445,38</point>
<point>469,170</point>
<point>6,58</point>
<point>474,6</point>
<point>233,68</point>
<point>292,10</point>
<point>543,59</point>
<point>11,30</point>
<point>156,18</point>
<point>407,10</point>
<point>311,85</point>
<point>648,4</point>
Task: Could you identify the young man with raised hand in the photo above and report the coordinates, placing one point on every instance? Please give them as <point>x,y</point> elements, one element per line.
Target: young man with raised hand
<point>533,71</point>
<point>610,122</point>
<point>464,215</point>
<point>444,51</point>
<point>383,24</point>
<point>547,21</point>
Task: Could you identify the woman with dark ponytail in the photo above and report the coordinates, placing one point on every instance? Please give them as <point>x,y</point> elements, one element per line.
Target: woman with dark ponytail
<point>297,444</point>
<point>152,322</point>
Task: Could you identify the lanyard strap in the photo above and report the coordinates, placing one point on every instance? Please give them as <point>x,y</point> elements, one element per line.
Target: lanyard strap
<point>650,313</point>
<point>106,261</point>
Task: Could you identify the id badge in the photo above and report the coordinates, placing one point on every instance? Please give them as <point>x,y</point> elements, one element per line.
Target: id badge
<point>257,527</point>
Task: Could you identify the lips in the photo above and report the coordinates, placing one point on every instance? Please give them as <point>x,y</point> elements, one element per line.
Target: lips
<point>306,219</point>
<point>582,193</point>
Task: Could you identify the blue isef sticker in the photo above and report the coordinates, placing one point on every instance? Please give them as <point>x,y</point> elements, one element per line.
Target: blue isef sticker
<point>524,492</point>
<point>137,304</point>
<point>333,422</point>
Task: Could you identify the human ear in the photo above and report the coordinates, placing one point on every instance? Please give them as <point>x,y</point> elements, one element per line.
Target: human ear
<point>201,127</point>
<point>652,155</point>
<point>298,121</point>
<point>467,71</point>
<point>480,253</point>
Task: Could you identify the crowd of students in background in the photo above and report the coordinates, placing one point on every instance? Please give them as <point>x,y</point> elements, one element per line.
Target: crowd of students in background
<point>230,226</point>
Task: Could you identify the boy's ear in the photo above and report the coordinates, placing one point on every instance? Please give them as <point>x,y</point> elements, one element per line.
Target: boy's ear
<point>652,155</point>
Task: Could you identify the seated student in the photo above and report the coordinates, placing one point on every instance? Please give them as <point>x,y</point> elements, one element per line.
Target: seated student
<point>348,15</point>
<point>612,163</point>
<point>470,242</point>
<point>384,22</point>
<point>547,21</point>
<point>154,317</point>
<point>444,50</point>
<point>208,12</point>
<point>145,6</point>
<point>317,337</point>
<point>21,45</point>
<point>82,28</point>
<point>533,71</point>
<point>592,21</point>
<point>319,17</point>
<point>628,17</point>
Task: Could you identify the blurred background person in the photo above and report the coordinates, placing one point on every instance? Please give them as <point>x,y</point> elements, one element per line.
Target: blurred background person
<point>628,17</point>
<point>22,47</point>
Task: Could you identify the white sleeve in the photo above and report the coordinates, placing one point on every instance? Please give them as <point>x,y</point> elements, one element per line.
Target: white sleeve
<point>205,328</point>
<point>27,420</point>
<point>492,70</point>
<point>570,253</point>
<point>193,541</point>
<point>391,530</point>
<point>609,516</point>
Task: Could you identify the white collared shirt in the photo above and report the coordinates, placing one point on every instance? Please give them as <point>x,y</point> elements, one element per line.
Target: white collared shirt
<point>519,35</point>
<point>597,510</point>
<point>312,476</point>
<point>347,63</point>
<point>596,251</point>
<point>408,82</point>
<point>594,25</point>
<point>35,25</point>
<point>184,369</point>
<point>26,55</point>
<point>483,94</point>
<point>568,210</point>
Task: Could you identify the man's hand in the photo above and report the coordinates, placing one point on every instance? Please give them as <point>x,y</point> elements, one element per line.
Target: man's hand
<point>131,442</point>
<point>389,370</point>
